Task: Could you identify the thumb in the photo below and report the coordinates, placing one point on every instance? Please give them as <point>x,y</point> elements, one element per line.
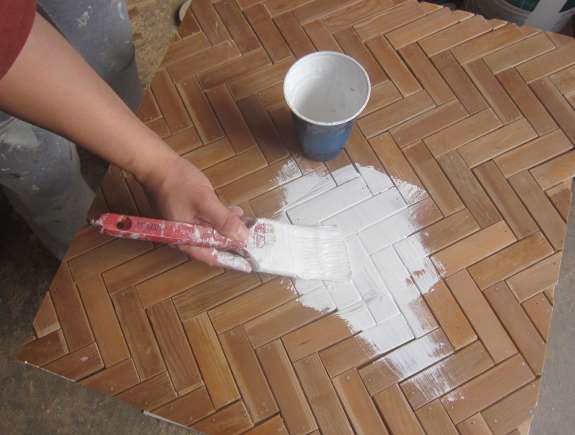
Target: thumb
<point>227,222</point>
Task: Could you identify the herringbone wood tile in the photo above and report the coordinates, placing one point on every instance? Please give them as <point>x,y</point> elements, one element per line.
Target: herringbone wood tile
<point>453,192</point>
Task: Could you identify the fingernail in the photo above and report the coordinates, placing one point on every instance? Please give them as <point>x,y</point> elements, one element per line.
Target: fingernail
<point>242,233</point>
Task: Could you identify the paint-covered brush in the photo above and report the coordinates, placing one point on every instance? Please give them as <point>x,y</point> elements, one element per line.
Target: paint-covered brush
<point>307,252</point>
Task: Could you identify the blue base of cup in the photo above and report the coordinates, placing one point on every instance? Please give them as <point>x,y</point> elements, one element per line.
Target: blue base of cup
<point>321,143</point>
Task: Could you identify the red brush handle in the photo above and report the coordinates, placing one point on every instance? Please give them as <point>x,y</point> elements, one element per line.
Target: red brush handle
<point>163,231</point>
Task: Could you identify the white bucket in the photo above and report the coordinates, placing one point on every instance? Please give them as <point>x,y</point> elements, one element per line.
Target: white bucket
<point>327,88</point>
<point>547,14</point>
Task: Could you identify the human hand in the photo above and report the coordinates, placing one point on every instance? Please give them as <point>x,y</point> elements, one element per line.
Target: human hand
<point>181,192</point>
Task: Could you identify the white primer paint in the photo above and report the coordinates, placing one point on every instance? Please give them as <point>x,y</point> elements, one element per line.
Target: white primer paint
<point>232,261</point>
<point>327,88</point>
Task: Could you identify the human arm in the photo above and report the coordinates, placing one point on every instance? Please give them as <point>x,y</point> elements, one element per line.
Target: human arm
<point>50,85</point>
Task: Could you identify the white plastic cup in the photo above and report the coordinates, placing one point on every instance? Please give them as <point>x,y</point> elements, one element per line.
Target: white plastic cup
<point>325,91</point>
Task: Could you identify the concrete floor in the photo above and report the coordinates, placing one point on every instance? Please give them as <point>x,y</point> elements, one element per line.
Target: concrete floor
<point>154,26</point>
<point>32,401</point>
<point>554,415</point>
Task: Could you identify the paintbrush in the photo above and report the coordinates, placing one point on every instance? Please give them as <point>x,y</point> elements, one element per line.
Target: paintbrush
<point>307,252</point>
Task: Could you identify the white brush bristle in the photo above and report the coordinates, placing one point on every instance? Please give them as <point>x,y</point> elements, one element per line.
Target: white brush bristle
<point>302,252</point>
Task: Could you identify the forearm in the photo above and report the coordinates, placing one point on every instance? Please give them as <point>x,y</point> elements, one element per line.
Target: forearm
<point>50,85</point>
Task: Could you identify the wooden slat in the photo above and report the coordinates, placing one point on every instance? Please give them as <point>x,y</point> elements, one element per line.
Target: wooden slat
<point>45,349</point>
<point>434,179</point>
<point>469,189</point>
<point>496,143</point>
<point>481,316</point>
<point>286,388</point>
<point>539,310</point>
<point>391,19</point>
<point>395,114</point>
<point>462,133</point>
<point>209,21</point>
<point>547,64</point>
<point>79,364</point>
<point>394,66</point>
<point>546,216</point>
<point>114,380</point>
<point>139,335</point>
<point>150,394</point>
<point>322,397</point>
<point>532,153</point>
<point>239,29</point>
<point>294,34</point>
<point>518,324</point>
<point>248,374</point>
<point>446,375</point>
<point>358,405</point>
<point>405,361</point>
<point>510,260</point>
<point>46,320</point>
<point>529,105</point>
<point>487,44</point>
<point>211,360</point>
<point>70,311</point>
<point>423,27</point>
<point>559,108</point>
<point>482,244</point>
<point>435,420</point>
<point>353,352</point>
<point>455,35</point>
<point>510,412</point>
<point>187,409</point>
<point>487,388</point>
<point>516,54</point>
<point>233,419</point>
<point>288,317</point>
<point>493,92</point>
<point>506,200</point>
<point>109,336</point>
<point>426,73</point>
<point>397,412</point>
<point>536,279</point>
<point>460,82</point>
<point>351,45</point>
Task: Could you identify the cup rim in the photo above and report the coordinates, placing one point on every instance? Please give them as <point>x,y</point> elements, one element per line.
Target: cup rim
<point>331,123</point>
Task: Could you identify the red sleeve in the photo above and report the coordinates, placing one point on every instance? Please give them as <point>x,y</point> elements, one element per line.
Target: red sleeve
<point>16,18</point>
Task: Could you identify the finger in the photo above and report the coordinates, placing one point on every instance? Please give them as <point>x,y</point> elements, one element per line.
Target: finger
<point>215,258</point>
<point>238,211</point>
<point>222,219</point>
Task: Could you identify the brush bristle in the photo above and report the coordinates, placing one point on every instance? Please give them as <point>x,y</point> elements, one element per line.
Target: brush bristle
<point>323,254</point>
<point>303,252</point>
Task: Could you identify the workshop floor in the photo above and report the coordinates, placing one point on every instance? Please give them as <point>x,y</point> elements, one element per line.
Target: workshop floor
<point>32,401</point>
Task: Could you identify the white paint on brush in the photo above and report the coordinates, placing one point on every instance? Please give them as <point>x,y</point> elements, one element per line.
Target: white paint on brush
<point>303,252</point>
<point>232,261</point>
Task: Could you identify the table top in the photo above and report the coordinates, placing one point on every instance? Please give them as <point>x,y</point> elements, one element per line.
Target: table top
<point>453,192</point>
